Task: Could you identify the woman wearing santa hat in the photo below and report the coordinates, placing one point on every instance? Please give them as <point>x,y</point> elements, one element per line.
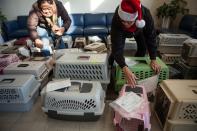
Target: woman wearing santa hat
<point>131,19</point>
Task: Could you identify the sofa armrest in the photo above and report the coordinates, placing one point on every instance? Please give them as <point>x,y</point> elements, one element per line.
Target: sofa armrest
<point>10,26</point>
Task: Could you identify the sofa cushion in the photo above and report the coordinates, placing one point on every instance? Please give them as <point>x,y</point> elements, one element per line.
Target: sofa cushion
<point>19,33</point>
<point>10,26</point>
<point>95,30</point>
<point>75,30</point>
<point>109,17</point>
<point>77,19</point>
<point>95,19</point>
<point>22,21</point>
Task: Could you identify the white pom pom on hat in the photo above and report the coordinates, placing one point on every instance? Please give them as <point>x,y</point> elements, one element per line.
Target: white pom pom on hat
<point>130,10</point>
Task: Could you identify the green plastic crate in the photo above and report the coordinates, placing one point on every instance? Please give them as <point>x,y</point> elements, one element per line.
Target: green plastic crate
<point>142,70</point>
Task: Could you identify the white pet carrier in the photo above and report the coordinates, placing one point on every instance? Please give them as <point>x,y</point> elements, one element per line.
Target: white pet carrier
<point>3,48</point>
<point>36,68</point>
<point>83,100</point>
<point>18,92</point>
<point>82,66</point>
<point>172,38</point>
<point>189,52</point>
<point>80,42</point>
<point>170,48</point>
<point>130,44</point>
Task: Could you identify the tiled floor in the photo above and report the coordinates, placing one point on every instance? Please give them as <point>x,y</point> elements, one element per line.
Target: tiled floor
<point>36,120</point>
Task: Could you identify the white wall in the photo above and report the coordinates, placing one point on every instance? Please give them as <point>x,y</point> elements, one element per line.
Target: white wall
<point>13,8</point>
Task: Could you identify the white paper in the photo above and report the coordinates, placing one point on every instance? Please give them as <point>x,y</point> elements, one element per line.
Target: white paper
<point>150,83</point>
<point>129,102</point>
<point>130,62</point>
<point>55,85</point>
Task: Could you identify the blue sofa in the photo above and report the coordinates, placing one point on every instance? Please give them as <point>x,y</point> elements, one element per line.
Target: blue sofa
<point>84,24</point>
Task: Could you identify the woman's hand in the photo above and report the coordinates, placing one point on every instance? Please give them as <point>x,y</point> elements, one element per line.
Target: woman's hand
<point>58,30</point>
<point>130,77</point>
<point>38,43</point>
<point>155,66</point>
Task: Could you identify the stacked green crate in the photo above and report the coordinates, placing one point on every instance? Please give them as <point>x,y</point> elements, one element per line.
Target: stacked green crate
<point>142,70</point>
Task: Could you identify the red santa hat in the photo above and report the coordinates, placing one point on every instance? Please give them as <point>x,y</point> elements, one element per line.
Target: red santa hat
<point>130,10</point>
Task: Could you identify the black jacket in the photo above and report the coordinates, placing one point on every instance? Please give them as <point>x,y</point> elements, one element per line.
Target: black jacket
<point>145,37</point>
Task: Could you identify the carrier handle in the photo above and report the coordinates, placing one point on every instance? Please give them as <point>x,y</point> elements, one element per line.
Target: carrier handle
<point>7,80</point>
<point>83,57</point>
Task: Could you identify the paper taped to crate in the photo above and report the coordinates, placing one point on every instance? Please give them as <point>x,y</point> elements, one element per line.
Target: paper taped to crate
<point>130,62</point>
<point>129,102</point>
<point>58,84</point>
<point>150,83</point>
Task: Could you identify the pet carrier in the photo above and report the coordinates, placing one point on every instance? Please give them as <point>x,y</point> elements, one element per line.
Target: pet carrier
<point>82,66</point>
<point>170,58</point>
<point>172,38</point>
<point>38,69</point>
<point>141,69</point>
<point>80,42</point>
<point>18,92</point>
<point>187,72</point>
<point>6,59</point>
<point>176,105</point>
<point>139,118</point>
<point>189,52</point>
<point>83,100</point>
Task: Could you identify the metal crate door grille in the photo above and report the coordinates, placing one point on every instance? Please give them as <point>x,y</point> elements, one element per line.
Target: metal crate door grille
<point>87,72</point>
<point>75,105</point>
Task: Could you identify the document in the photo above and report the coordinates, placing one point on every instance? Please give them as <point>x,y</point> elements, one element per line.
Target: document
<point>129,102</point>
<point>58,84</point>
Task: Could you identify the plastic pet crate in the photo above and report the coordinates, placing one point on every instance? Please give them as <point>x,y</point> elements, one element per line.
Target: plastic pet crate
<point>176,102</point>
<point>11,50</point>
<point>3,48</point>
<point>130,44</point>
<point>6,59</point>
<point>83,100</point>
<point>187,72</point>
<point>68,40</point>
<point>82,66</point>
<point>170,48</point>
<point>36,68</point>
<point>172,38</point>
<point>170,58</point>
<point>180,126</point>
<point>141,116</point>
<point>80,42</point>
<point>18,92</point>
<point>142,70</point>
<point>189,52</point>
